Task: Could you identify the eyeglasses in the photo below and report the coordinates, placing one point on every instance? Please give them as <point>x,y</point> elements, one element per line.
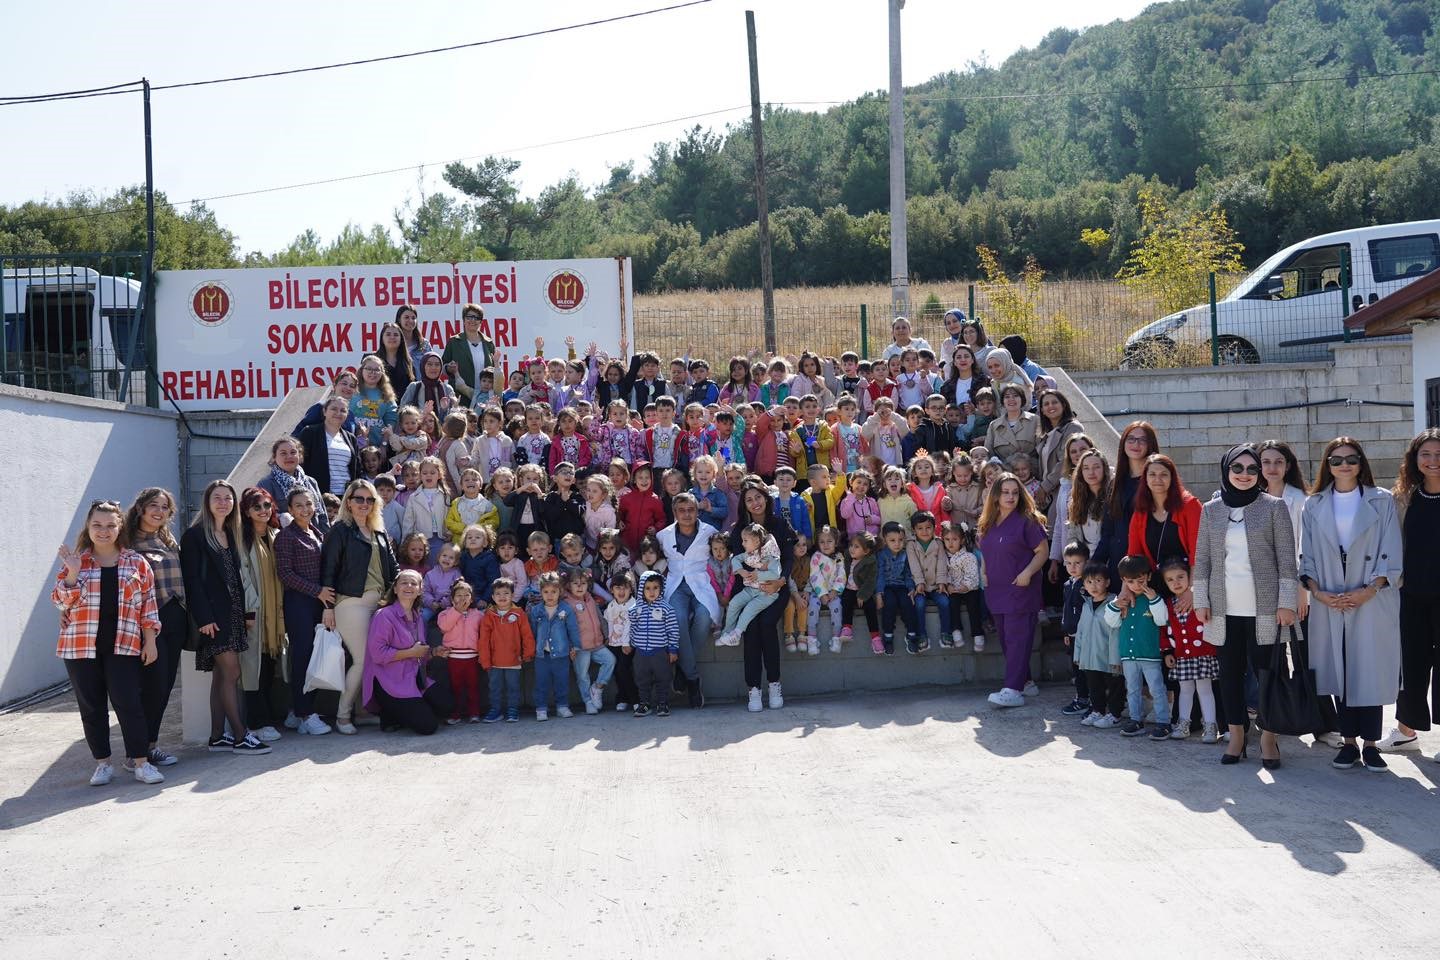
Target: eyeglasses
<point>357,498</point>
<point>1137,439</point>
<point>1349,460</point>
<point>1248,469</point>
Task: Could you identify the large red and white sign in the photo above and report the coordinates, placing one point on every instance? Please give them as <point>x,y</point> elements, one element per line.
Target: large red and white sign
<point>242,339</point>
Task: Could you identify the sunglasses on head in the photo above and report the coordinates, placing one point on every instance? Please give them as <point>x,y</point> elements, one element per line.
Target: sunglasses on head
<point>1247,468</point>
<point>1349,460</point>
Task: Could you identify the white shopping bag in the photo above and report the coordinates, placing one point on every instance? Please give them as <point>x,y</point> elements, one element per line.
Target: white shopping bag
<point>327,662</point>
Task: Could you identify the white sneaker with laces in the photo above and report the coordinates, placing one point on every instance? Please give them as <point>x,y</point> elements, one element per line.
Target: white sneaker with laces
<point>1395,741</point>
<point>267,734</point>
<point>345,727</point>
<point>835,644</point>
<point>313,726</point>
<point>292,722</point>
<point>755,706</point>
<point>590,708</point>
<point>146,773</point>
<point>563,712</point>
<point>103,774</point>
<point>1006,697</point>
<point>542,715</point>
<point>1030,689</point>
<point>777,700</point>
<point>958,638</point>
<point>1105,722</point>
<point>597,695</point>
<point>812,646</point>
<point>979,643</point>
<point>1090,718</point>
<point>1329,739</point>
<point>622,707</point>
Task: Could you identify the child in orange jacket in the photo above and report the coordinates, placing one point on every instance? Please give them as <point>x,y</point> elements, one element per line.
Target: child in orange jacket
<point>506,642</point>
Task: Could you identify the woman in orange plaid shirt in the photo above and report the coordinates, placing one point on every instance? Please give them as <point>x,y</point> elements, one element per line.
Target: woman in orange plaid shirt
<point>108,625</point>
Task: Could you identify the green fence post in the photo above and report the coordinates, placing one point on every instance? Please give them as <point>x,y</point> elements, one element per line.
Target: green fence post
<point>864,334</point>
<point>1214,325</point>
<point>971,314</point>
<point>1345,292</point>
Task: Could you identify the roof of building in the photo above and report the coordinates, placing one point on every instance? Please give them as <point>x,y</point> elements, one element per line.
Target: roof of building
<point>1393,314</point>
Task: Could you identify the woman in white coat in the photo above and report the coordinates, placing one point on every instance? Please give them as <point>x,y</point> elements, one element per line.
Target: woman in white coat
<point>1350,560</point>
<point>688,590</point>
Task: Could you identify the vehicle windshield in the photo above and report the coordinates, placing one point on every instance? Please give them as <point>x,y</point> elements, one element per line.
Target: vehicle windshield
<point>1258,276</point>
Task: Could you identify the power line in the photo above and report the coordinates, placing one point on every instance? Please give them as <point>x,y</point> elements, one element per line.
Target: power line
<point>130,87</point>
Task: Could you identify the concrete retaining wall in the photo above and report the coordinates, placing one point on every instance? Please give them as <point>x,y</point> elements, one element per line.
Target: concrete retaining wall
<point>212,457</point>
<point>64,452</point>
<point>1201,428</point>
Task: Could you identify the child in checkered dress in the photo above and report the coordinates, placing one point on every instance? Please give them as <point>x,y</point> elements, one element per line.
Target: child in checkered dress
<point>1193,662</point>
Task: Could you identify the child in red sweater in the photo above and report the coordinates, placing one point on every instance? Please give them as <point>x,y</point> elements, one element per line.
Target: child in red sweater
<point>1192,661</point>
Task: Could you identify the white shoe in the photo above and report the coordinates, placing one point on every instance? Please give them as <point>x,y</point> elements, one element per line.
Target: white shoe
<point>146,773</point>
<point>1395,741</point>
<point>563,712</point>
<point>345,727</point>
<point>1105,722</point>
<point>542,715</point>
<point>755,706</point>
<point>267,734</point>
<point>622,707</point>
<point>597,696</point>
<point>451,721</point>
<point>1007,697</point>
<point>812,646</point>
<point>979,643</point>
<point>104,773</point>
<point>835,644</point>
<point>313,726</point>
<point>777,700</point>
<point>958,638</point>
<point>1090,718</point>
<point>1329,739</point>
<point>590,708</point>
<point>292,722</point>
<point>1030,689</point>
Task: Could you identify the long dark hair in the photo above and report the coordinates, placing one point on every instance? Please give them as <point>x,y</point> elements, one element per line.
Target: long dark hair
<point>143,499</point>
<point>1145,501</point>
<point>730,375</point>
<point>248,500</point>
<point>1118,507</point>
<point>978,377</point>
<point>1066,413</point>
<point>1410,478</point>
<point>1324,479</point>
<point>1293,476</point>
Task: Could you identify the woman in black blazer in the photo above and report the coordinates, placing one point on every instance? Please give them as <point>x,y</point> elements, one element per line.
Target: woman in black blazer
<point>316,440</point>
<point>215,596</point>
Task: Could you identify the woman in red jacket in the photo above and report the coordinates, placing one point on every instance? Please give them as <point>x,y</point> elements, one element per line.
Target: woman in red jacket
<point>1166,521</point>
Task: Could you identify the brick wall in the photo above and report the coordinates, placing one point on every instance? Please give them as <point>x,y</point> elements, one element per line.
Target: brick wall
<point>1201,427</point>
<point>212,457</point>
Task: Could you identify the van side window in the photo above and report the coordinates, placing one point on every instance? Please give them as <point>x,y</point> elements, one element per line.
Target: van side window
<point>1404,258</point>
<point>1307,272</point>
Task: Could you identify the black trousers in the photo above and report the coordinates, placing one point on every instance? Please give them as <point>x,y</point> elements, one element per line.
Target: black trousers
<point>761,642</point>
<point>158,680</point>
<point>849,600</point>
<point>652,676</point>
<point>1237,656</point>
<point>421,713</point>
<point>626,690</point>
<point>260,703</point>
<point>1419,661</point>
<point>1107,691</point>
<point>116,678</point>
<point>1361,723</point>
<point>974,605</point>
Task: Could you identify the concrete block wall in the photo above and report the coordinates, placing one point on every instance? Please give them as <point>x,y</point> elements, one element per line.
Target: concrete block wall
<point>1191,408</point>
<point>207,458</point>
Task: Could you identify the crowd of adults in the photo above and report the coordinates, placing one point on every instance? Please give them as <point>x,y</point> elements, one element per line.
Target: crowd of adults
<point>974,444</point>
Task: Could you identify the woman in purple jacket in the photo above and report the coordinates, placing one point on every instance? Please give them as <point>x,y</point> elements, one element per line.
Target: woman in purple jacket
<point>396,686</point>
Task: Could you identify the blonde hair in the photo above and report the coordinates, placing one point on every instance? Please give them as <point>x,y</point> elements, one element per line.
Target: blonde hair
<point>387,392</point>
<point>885,475</point>
<point>436,464</point>
<point>603,482</point>
<point>1026,507</point>
<point>376,522</point>
<point>530,470</point>
<point>477,528</point>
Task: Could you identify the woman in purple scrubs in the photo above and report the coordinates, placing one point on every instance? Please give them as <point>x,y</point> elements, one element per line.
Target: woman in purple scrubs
<point>1013,544</point>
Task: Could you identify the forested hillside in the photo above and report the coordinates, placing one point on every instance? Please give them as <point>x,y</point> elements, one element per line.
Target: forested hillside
<point>1294,116</point>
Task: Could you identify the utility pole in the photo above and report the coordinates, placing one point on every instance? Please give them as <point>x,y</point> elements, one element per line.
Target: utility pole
<point>762,206</point>
<point>899,250</point>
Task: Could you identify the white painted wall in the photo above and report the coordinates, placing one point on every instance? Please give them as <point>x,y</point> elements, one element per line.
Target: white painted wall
<point>1425,364</point>
<point>62,453</point>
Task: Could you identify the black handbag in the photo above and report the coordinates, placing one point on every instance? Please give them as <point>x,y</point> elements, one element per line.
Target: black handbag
<point>1288,703</point>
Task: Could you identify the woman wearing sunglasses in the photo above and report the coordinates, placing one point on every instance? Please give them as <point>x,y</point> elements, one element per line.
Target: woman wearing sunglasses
<point>1350,559</point>
<point>263,599</point>
<point>358,563</point>
<point>1245,587</point>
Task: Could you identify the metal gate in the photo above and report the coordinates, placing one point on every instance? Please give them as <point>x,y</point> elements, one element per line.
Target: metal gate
<point>76,323</point>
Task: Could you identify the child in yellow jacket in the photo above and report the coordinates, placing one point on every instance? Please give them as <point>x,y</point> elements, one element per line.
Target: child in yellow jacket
<point>471,507</point>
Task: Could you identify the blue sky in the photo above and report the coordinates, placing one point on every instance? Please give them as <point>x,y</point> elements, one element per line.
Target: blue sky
<point>507,98</point>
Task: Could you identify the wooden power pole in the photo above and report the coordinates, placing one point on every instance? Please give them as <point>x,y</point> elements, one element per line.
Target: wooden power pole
<point>762,206</point>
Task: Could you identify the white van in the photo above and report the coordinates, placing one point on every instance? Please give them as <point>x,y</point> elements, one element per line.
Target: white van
<point>1292,306</point>
<point>69,329</point>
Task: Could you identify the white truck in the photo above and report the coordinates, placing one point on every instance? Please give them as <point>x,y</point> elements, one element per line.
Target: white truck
<point>1294,303</point>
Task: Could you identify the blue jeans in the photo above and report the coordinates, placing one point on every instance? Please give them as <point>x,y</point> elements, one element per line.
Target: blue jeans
<point>603,656</point>
<point>897,601</point>
<point>506,682</point>
<point>1154,677</point>
<point>694,627</point>
<point>941,600</point>
<point>746,606</point>
<point>552,678</point>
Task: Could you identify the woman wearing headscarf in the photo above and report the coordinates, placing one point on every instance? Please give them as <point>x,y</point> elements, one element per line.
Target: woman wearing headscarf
<point>429,391</point>
<point>1003,372</point>
<point>1351,556</point>
<point>1245,584</point>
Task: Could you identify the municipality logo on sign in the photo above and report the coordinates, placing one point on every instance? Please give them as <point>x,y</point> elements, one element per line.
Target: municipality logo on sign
<point>210,303</point>
<point>566,291</point>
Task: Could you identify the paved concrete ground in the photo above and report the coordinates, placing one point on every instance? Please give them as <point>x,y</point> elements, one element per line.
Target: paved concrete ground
<point>919,823</point>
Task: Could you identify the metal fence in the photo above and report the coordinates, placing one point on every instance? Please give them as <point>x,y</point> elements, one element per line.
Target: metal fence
<point>1076,324</point>
<point>75,323</point>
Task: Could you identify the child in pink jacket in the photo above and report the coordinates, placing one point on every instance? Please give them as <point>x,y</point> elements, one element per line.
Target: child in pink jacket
<point>460,622</point>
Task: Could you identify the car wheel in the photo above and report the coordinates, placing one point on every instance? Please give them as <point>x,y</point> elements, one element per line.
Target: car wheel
<point>1234,351</point>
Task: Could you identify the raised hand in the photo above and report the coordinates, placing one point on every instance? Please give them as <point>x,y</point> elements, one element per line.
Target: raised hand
<point>71,558</point>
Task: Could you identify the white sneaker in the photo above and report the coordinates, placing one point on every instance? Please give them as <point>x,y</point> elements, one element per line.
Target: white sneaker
<point>1090,718</point>
<point>755,706</point>
<point>958,638</point>
<point>1105,722</point>
<point>597,695</point>
<point>104,773</point>
<point>563,712</point>
<point>345,727</point>
<point>812,646</point>
<point>542,715</point>
<point>1030,689</point>
<point>1007,697</point>
<point>590,708</point>
<point>835,644</point>
<point>1329,739</point>
<point>622,707</point>
<point>979,643</point>
<point>292,722</point>
<point>146,773</point>
<point>313,726</point>
<point>267,734</point>
<point>1396,741</point>
<point>777,700</point>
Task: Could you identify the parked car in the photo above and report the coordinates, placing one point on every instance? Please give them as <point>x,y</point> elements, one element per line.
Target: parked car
<point>1295,303</point>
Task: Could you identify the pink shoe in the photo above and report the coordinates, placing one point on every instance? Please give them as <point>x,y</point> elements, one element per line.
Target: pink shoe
<point>877,646</point>
<point>846,635</point>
